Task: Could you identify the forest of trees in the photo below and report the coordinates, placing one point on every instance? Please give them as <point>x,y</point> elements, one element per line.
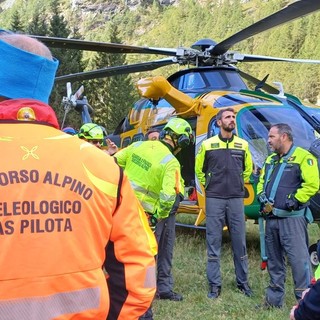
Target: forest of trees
<point>155,25</point>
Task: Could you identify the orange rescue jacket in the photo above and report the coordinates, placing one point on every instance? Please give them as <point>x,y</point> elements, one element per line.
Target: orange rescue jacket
<point>64,205</point>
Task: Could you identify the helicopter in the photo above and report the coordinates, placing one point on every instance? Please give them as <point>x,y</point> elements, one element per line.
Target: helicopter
<point>198,93</point>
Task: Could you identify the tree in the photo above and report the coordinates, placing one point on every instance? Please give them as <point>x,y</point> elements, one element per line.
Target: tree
<point>38,25</point>
<point>70,60</point>
<point>111,97</point>
<point>16,23</point>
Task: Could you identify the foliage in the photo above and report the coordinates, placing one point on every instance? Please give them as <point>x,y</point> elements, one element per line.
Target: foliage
<point>38,24</point>
<point>70,60</point>
<point>16,23</point>
<point>112,96</point>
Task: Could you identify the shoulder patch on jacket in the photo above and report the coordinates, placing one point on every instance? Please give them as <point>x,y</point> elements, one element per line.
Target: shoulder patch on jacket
<point>310,162</point>
<point>238,145</point>
<point>214,145</point>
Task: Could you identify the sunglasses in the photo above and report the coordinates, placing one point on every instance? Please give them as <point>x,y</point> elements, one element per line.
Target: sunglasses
<point>95,141</point>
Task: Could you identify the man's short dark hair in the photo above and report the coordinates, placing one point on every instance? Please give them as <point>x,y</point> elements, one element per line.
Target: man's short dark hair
<point>222,111</point>
<point>284,128</point>
<point>151,130</point>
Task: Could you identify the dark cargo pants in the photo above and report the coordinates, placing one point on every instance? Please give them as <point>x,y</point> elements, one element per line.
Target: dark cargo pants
<point>166,234</point>
<point>218,213</point>
<point>287,236</point>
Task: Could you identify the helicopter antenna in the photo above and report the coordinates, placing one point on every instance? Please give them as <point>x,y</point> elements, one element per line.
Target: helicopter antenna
<point>260,85</point>
<point>281,90</point>
<point>72,101</point>
<point>66,103</point>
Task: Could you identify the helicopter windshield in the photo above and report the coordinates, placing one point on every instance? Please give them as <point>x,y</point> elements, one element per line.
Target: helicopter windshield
<point>254,123</point>
<point>203,79</point>
<point>313,112</point>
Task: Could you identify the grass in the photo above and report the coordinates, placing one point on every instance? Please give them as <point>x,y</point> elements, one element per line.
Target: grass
<point>189,270</point>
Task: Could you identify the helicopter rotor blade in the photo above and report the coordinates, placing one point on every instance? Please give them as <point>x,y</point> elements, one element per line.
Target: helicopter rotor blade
<point>117,70</point>
<point>290,12</point>
<point>256,81</point>
<point>64,43</point>
<point>257,58</point>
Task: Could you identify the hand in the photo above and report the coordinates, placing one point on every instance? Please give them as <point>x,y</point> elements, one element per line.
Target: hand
<point>292,313</point>
<point>112,147</point>
<point>292,203</point>
<point>304,293</point>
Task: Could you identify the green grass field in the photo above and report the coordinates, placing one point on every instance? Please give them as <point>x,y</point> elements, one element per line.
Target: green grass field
<point>189,272</point>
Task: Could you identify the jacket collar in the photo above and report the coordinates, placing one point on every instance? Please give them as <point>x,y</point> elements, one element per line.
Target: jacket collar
<point>226,139</point>
<point>27,110</point>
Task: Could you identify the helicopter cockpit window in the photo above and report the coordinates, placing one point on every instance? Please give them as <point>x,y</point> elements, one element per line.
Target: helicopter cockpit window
<point>138,137</point>
<point>315,114</point>
<point>254,123</point>
<point>126,141</point>
<point>193,81</point>
<point>214,128</point>
<point>136,111</point>
<point>236,98</point>
<point>209,79</point>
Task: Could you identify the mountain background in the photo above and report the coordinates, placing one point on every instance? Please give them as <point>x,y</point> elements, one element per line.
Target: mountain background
<point>169,24</point>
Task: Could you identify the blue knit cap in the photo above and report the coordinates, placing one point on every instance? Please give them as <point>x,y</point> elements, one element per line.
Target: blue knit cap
<point>24,74</point>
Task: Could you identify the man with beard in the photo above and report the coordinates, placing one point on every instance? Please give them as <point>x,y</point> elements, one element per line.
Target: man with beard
<point>223,165</point>
<point>289,178</point>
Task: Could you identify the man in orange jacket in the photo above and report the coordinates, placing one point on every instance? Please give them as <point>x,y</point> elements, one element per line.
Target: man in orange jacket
<point>61,212</point>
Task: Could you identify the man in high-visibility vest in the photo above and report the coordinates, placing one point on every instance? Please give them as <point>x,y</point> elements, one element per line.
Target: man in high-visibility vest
<point>289,178</point>
<point>65,208</point>
<point>91,133</point>
<point>96,135</point>
<point>166,234</point>
<point>154,173</point>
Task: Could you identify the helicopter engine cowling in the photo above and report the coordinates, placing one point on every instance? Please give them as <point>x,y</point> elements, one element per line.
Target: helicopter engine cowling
<point>155,88</point>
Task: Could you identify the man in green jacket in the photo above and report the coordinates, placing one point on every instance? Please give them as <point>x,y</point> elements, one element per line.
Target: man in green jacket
<point>289,178</point>
<point>154,171</point>
<point>223,165</point>
<point>154,174</point>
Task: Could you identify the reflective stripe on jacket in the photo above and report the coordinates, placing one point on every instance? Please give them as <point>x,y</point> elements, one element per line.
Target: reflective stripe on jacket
<point>154,173</point>
<point>223,166</point>
<point>63,204</point>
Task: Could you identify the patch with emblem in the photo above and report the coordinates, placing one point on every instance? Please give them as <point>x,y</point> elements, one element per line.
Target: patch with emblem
<point>26,114</point>
<point>310,162</point>
<point>215,145</point>
<point>237,145</point>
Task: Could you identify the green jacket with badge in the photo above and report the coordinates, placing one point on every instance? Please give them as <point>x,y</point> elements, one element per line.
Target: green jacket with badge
<point>300,177</point>
<point>154,174</point>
